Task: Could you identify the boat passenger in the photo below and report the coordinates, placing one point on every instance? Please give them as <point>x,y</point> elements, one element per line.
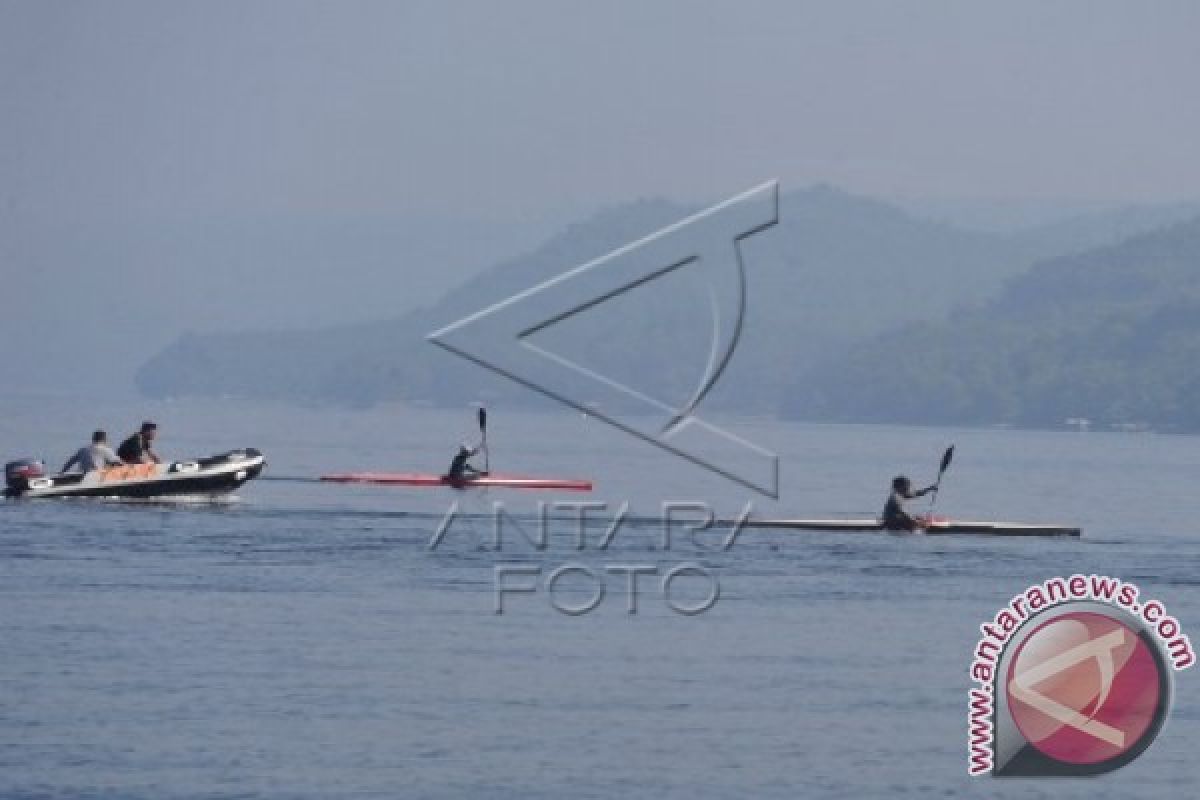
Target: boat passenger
<point>460,467</point>
<point>96,455</point>
<point>895,518</point>
<point>137,448</point>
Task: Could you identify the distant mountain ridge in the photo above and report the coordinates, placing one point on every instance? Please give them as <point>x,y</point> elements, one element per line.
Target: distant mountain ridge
<point>837,270</point>
<point>1111,335</point>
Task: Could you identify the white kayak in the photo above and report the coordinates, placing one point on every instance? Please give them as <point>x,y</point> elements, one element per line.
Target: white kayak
<point>932,527</point>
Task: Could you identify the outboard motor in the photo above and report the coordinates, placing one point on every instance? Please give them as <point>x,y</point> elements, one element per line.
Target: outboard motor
<point>18,473</point>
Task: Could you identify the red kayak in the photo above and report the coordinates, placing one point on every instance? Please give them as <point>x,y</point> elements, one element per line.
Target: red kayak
<point>489,480</point>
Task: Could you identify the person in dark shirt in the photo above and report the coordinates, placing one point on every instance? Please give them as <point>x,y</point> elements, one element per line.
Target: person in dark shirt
<point>460,467</point>
<point>137,449</point>
<point>895,518</point>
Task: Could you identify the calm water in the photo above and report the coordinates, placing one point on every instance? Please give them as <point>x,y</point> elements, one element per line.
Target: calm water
<point>305,643</point>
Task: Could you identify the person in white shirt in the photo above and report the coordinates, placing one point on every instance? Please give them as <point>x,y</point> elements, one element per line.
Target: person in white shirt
<point>96,455</point>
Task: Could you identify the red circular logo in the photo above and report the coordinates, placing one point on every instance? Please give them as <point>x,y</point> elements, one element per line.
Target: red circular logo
<point>1084,688</point>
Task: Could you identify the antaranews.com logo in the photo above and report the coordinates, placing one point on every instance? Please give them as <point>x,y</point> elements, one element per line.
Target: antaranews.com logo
<point>1074,678</point>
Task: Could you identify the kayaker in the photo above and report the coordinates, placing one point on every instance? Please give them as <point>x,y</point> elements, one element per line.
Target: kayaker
<point>137,448</point>
<point>895,518</point>
<point>460,467</point>
<point>96,455</point>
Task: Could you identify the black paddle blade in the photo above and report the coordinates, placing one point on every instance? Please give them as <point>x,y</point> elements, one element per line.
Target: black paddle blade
<point>482,419</point>
<point>947,457</point>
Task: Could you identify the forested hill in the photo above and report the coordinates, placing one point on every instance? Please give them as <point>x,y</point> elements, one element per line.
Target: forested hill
<point>837,268</point>
<point>1111,335</point>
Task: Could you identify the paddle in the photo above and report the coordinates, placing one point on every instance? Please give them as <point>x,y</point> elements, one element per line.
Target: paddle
<point>947,457</point>
<point>483,432</point>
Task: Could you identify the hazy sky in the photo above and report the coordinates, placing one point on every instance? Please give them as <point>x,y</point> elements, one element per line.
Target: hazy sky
<point>197,165</point>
